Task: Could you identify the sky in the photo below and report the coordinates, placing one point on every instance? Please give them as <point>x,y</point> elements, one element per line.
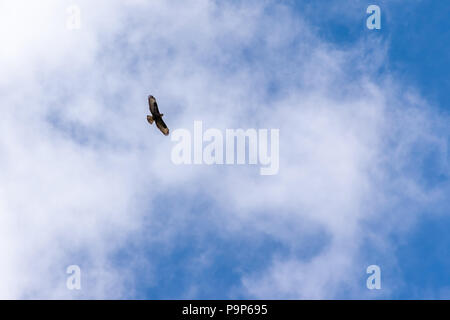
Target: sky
<point>363,149</point>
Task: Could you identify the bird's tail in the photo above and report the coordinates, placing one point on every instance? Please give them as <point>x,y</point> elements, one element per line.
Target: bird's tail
<point>150,119</point>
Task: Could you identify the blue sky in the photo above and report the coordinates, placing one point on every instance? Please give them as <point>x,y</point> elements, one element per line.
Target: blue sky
<point>364,174</point>
<point>418,55</point>
<point>417,34</point>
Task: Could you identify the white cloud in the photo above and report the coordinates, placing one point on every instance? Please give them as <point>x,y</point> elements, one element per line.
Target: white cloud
<point>82,171</point>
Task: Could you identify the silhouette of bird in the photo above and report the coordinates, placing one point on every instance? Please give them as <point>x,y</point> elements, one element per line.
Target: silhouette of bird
<point>156,116</point>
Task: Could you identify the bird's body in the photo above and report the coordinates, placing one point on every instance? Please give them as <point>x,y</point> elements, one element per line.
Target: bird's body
<point>156,116</point>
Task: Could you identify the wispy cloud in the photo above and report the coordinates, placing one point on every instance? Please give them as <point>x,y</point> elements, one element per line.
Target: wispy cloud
<point>85,180</point>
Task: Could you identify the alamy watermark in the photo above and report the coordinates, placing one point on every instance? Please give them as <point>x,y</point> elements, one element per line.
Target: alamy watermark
<point>234,149</point>
<point>374,20</point>
<point>374,280</point>
<point>73,21</point>
<point>74,280</point>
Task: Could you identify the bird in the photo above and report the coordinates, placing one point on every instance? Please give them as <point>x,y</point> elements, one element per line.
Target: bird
<point>156,116</point>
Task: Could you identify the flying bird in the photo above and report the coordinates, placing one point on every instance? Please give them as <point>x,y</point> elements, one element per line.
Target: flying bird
<point>156,116</point>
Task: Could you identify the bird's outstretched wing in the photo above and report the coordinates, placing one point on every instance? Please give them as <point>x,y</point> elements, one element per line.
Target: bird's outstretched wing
<point>153,106</point>
<point>156,116</point>
<point>162,126</point>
